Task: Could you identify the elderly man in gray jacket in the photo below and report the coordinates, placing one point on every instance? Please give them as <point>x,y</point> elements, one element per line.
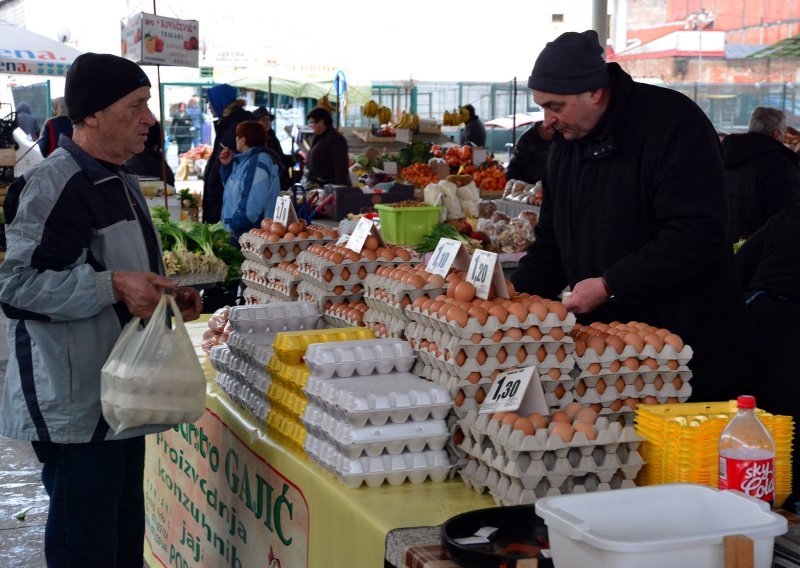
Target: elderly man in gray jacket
<point>83,258</point>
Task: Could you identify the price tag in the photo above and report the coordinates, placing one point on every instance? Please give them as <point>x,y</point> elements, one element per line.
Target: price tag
<point>443,257</point>
<point>403,135</point>
<point>342,239</point>
<point>478,156</point>
<point>284,212</point>
<point>481,272</point>
<point>519,389</point>
<point>360,234</point>
<point>390,168</point>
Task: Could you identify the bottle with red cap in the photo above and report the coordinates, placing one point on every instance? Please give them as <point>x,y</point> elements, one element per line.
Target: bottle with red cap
<point>747,454</point>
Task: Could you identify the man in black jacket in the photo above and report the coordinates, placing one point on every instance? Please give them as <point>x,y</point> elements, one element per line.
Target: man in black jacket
<point>761,175</point>
<point>530,154</point>
<point>634,215</point>
<point>474,132</point>
<point>229,112</point>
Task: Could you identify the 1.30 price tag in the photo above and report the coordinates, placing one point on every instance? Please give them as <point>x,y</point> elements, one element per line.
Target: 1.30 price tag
<point>481,272</point>
<point>360,233</point>
<point>519,389</point>
<point>443,257</point>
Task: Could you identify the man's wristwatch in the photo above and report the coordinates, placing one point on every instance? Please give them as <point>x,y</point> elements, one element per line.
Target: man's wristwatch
<point>609,293</point>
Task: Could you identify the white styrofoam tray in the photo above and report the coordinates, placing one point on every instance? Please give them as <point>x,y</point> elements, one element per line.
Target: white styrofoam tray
<point>660,526</point>
<point>282,316</point>
<point>364,357</point>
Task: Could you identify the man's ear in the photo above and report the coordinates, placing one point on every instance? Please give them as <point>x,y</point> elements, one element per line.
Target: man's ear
<point>92,120</point>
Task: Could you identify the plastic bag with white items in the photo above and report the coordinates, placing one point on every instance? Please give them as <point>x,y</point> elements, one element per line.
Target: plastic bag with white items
<point>451,201</point>
<point>470,197</point>
<point>153,375</point>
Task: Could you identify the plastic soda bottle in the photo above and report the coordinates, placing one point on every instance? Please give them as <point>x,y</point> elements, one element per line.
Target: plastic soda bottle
<point>747,454</point>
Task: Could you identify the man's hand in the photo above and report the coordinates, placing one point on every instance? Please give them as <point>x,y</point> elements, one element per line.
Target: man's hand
<point>226,156</point>
<point>587,296</point>
<point>189,302</point>
<point>141,291</point>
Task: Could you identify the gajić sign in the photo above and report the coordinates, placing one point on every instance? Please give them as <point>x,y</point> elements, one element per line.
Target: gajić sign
<point>148,39</point>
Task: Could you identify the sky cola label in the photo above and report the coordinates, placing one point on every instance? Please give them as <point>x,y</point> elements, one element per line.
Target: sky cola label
<point>752,477</point>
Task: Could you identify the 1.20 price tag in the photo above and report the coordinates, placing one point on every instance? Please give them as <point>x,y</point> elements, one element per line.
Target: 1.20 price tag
<point>363,229</point>
<point>519,389</point>
<point>481,272</point>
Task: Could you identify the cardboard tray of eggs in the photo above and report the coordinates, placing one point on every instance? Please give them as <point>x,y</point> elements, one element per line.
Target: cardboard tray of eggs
<point>325,299</point>
<point>254,297</point>
<point>392,289</point>
<point>274,242</point>
<point>384,324</point>
<point>252,277</point>
<point>283,278</point>
<point>346,314</point>
<point>334,265</point>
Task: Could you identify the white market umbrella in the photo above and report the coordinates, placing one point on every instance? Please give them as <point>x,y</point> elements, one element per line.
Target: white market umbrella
<point>27,53</point>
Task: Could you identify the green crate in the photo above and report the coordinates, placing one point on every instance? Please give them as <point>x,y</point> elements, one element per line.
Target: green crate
<point>407,225</point>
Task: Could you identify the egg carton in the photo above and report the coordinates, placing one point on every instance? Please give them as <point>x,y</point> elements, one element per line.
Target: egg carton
<point>415,467</point>
<point>291,346</point>
<point>286,426</point>
<point>609,354</point>
<point>281,290</point>
<point>453,383</point>
<point>453,342</point>
<point>377,399</point>
<point>253,296</point>
<point>395,326</point>
<point>288,397</point>
<point>289,316</point>
<point>492,323</point>
<point>469,366</point>
<point>365,357</point>
<point>587,391</point>
<point>509,492</point>
<point>255,348</point>
<point>316,265</point>
<point>648,374</point>
<point>245,396</point>
<point>371,440</point>
<point>258,267</point>
<point>256,283</point>
<point>336,321</point>
<point>312,293</point>
<point>286,250</point>
<point>224,361</point>
<point>282,275</point>
<point>382,307</point>
<point>296,375</point>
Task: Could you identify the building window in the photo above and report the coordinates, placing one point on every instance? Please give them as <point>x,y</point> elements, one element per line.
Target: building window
<point>557,18</point>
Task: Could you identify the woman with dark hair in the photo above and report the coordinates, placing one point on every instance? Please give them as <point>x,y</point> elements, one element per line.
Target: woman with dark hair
<point>56,126</point>
<point>327,160</point>
<point>251,178</point>
<point>149,162</point>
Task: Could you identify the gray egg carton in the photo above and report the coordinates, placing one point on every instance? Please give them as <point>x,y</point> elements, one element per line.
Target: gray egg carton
<point>377,399</point>
<point>414,467</point>
<point>373,440</point>
<point>244,395</point>
<point>287,316</point>
<point>365,357</point>
<point>255,348</point>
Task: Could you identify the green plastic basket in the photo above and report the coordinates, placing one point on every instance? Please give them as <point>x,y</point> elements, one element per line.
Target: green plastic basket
<point>407,225</point>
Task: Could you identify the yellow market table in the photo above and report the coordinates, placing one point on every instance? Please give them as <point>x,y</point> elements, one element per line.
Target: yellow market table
<point>224,492</point>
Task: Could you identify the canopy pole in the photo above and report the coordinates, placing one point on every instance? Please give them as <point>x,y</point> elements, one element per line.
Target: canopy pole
<point>161,113</point>
<point>269,86</point>
<point>514,117</point>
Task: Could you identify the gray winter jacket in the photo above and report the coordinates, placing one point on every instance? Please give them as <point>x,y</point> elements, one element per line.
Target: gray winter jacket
<point>77,222</point>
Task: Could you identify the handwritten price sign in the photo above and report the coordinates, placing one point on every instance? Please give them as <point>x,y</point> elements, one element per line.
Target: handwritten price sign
<point>481,272</point>
<point>443,257</point>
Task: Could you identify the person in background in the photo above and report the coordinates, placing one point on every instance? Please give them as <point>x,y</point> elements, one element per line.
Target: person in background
<point>180,131</point>
<point>761,175</point>
<point>229,112</point>
<point>27,122</point>
<point>530,154</point>
<point>635,223</point>
<point>82,260</point>
<point>196,114</point>
<point>149,162</point>
<point>284,162</point>
<point>251,180</point>
<point>56,126</point>
<point>473,132</point>
<point>327,160</point>
<point>769,269</point>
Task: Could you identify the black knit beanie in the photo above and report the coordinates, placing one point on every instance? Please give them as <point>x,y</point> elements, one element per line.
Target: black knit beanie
<point>97,80</point>
<point>570,64</point>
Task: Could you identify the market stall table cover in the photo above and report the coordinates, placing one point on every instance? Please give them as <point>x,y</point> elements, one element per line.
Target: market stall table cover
<point>28,53</point>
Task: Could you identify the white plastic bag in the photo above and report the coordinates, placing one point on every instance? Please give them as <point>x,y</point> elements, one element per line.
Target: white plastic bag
<point>153,375</point>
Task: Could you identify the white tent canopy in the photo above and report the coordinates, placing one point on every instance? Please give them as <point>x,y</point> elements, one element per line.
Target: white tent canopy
<point>27,53</point>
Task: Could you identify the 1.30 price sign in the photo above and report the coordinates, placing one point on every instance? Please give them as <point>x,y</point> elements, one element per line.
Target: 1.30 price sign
<point>508,391</point>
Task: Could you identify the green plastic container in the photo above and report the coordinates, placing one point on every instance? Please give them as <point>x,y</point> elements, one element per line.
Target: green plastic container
<point>407,225</point>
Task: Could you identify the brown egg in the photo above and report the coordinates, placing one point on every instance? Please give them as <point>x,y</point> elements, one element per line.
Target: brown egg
<point>534,332</point>
<point>514,334</point>
<point>587,415</point>
<point>459,398</point>
<point>636,341</point>
<point>436,281</point>
<point>518,310</point>
<point>662,333</point>
<point>631,363</point>
<point>559,309</point>
<point>476,338</point>
<point>580,388</point>
<point>556,333</point>
<point>522,354</point>
<point>655,341</point>
<point>677,382</point>
<point>539,310</point>
<point>499,416</point>
<point>649,400</point>
<point>561,354</point>
<point>658,382</point>
<point>457,317</point>
<point>672,365</point>
<point>497,336</point>
<point>480,358</point>
<point>479,314</point>
<point>416,281</point>
<point>619,384</point>
<point>560,416</point>
<point>328,276</point>
<point>587,429</point>
<point>572,409</point>
<point>510,419</point>
<point>616,343</point>
<point>474,377</point>
<point>594,368</point>
<point>600,386</point>
<point>443,310</point>
<point>638,383</point>
<point>675,341</point>
<point>563,430</point>
<point>277,229</point>
<point>433,308</point>
<point>537,420</point>
<point>403,254</point>
<point>560,392</point>
<point>524,424</point>
<point>461,358</point>
<point>597,344</point>
<point>500,313</point>
<point>630,403</point>
<point>650,364</point>
<point>371,243</point>
<point>463,291</point>
<point>501,355</point>
<point>615,405</point>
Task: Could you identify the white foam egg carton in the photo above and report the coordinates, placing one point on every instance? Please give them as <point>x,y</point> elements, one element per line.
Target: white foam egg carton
<point>415,467</point>
<point>609,354</point>
<point>371,440</point>
<point>378,399</point>
<point>256,348</point>
<point>365,357</point>
<point>288,316</point>
<point>244,395</point>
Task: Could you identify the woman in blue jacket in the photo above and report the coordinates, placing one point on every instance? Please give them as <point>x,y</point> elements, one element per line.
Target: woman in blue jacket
<point>251,180</point>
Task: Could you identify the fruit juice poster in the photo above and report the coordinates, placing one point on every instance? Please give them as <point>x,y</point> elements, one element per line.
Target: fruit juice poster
<point>149,39</point>
<point>211,500</point>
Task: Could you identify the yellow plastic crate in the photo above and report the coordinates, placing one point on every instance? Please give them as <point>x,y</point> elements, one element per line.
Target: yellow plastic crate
<point>289,427</point>
<point>290,346</point>
<point>681,442</point>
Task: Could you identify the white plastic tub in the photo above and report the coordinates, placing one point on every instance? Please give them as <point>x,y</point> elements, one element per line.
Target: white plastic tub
<point>659,526</point>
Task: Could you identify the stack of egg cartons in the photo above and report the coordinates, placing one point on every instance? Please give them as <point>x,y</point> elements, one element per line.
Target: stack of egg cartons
<point>273,244</point>
<point>620,365</point>
<point>289,375</point>
<point>520,459</point>
<point>681,443</point>
<point>371,421</point>
<point>242,363</point>
<point>346,314</point>
<point>333,274</point>
<point>389,290</point>
<point>282,280</point>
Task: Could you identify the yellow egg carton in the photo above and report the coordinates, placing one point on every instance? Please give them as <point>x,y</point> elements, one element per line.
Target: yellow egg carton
<point>290,346</point>
<point>681,442</point>
<point>289,427</point>
<point>296,375</point>
<point>289,398</point>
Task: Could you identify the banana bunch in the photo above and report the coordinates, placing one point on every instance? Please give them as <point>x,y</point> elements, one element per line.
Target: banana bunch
<point>408,120</point>
<point>455,118</point>
<point>370,110</point>
<point>384,115</point>
<point>325,103</point>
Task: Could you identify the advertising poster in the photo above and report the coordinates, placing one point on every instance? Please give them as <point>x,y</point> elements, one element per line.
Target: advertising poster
<point>211,500</point>
<point>148,39</point>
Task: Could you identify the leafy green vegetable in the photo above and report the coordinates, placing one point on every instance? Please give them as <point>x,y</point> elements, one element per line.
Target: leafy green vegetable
<point>443,230</point>
<point>737,245</point>
<point>171,235</point>
<point>160,214</point>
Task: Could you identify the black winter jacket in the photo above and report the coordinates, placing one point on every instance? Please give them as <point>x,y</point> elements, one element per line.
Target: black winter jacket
<point>761,178</point>
<point>327,160</point>
<point>474,132</point>
<point>640,200</point>
<point>530,156</point>
<point>213,188</point>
